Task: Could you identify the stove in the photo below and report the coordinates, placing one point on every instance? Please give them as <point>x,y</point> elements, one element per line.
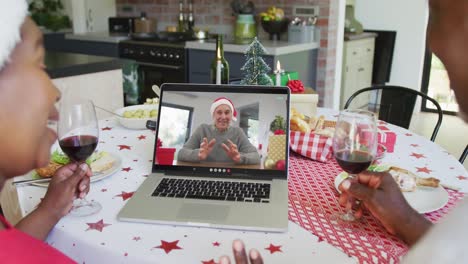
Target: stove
<point>161,58</point>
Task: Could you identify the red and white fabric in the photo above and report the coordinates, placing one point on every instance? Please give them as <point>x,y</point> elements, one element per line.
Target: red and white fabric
<point>316,147</point>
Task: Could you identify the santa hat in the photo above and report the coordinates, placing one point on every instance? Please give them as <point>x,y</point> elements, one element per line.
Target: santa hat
<point>12,15</point>
<point>224,101</point>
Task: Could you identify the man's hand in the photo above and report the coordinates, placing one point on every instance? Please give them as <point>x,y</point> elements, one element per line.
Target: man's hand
<point>382,196</point>
<point>69,182</point>
<point>240,257</point>
<point>206,148</point>
<point>232,151</point>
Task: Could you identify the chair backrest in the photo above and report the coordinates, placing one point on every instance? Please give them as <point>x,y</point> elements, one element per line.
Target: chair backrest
<point>395,104</point>
<point>464,154</point>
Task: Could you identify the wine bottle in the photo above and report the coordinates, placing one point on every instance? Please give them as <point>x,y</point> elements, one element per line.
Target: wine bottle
<point>219,66</point>
<point>181,20</point>
<point>191,21</point>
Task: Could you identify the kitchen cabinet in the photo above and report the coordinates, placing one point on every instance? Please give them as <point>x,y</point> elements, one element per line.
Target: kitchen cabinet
<point>58,42</point>
<point>358,57</point>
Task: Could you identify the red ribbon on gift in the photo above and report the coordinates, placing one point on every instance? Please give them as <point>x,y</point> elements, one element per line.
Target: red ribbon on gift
<point>279,132</point>
<point>296,86</point>
<point>159,144</point>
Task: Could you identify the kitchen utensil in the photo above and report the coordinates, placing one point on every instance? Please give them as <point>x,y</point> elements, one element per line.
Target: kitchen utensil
<point>44,180</point>
<point>105,110</point>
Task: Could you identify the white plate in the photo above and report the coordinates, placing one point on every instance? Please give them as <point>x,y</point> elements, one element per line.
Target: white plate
<point>423,200</point>
<point>115,167</point>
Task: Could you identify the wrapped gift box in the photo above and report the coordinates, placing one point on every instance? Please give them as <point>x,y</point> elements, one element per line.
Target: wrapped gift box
<point>293,75</point>
<point>306,102</point>
<point>276,147</point>
<point>387,138</point>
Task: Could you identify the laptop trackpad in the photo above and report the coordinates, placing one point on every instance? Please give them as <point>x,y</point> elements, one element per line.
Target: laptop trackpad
<point>203,212</point>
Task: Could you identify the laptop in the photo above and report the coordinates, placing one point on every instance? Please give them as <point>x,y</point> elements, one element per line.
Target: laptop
<point>248,191</point>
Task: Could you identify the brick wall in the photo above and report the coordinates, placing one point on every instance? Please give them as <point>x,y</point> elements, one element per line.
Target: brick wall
<point>218,13</point>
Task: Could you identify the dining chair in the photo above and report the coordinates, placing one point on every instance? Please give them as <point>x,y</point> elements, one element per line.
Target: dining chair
<point>394,104</point>
<point>464,154</point>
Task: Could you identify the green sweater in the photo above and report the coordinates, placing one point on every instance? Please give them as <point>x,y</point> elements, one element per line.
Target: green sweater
<point>248,152</point>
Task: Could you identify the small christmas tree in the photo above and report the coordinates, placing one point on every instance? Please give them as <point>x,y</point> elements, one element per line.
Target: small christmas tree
<point>255,68</point>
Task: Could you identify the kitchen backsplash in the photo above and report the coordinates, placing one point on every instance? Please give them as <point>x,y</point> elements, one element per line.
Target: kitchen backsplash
<point>217,16</point>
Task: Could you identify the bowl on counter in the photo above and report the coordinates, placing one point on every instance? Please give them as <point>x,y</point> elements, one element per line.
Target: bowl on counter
<point>275,27</point>
<point>136,116</point>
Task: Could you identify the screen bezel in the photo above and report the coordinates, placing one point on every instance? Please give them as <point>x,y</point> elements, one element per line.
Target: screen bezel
<point>234,172</point>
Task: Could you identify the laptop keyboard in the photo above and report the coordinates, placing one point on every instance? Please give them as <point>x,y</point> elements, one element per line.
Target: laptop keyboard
<point>214,190</point>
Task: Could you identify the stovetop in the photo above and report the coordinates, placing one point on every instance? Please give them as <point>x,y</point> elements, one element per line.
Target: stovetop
<point>161,39</point>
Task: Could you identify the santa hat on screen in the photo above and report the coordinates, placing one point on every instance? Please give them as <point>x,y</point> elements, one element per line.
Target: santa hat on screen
<point>224,101</point>
<point>12,15</point>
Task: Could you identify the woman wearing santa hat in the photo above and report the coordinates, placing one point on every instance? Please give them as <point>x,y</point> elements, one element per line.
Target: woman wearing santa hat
<point>220,142</point>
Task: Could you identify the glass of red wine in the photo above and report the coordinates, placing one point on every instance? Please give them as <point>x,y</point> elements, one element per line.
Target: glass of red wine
<point>78,134</point>
<point>355,144</point>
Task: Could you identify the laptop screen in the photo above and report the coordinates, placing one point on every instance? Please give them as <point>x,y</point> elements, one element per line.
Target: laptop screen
<point>223,130</point>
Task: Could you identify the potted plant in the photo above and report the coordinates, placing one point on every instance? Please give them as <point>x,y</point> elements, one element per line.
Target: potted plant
<point>245,29</point>
<point>49,14</point>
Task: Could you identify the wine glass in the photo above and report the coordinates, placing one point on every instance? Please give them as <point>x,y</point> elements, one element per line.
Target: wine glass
<point>355,144</point>
<point>78,134</point>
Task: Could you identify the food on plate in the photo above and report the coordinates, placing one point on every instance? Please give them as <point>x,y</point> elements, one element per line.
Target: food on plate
<point>327,131</point>
<point>317,125</point>
<point>408,181</point>
<point>140,113</point>
<point>298,124</point>
<point>99,162</point>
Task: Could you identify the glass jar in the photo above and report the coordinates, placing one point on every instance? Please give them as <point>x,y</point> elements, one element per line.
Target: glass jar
<point>245,29</point>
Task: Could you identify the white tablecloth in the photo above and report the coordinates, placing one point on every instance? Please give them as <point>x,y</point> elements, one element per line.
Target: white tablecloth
<point>101,238</point>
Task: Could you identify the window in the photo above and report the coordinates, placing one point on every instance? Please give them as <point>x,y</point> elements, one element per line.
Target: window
<point>175,131</point>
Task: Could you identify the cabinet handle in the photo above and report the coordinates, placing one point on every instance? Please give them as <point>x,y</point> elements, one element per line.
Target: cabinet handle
<point>354,53</point>
<point>360,69</point>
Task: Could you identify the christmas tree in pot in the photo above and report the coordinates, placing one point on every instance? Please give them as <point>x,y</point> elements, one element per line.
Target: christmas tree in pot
<point>255,68</point>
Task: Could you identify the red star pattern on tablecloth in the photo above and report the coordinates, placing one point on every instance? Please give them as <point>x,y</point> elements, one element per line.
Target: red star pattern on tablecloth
<point>408,134</point>
<point>462,178</point>
<point>122,147</point>
<point>414,145</point>
<point>417,155</point>
<point>141,137</point>
<point>137,238</point>
<point>168,246</point>
<point>127,169</point>
<point>103,190</point>
<point>125,195</point>
<point>272,248</point>
<point>216,244</point>
<point>424,169</point>
<point>211,261</point>
<point>106,128</point>
<point>99,225</point>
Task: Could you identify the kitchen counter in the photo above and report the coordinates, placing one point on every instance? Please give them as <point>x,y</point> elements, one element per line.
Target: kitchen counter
<point>98,37</point>
<point>63,64</point>
<point>272,47</point>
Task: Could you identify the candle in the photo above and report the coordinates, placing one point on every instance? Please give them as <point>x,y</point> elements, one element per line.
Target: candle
<point>278,73</point>
<point>218,72</point>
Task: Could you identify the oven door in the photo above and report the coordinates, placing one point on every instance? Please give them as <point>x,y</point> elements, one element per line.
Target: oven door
<point>151,73</point>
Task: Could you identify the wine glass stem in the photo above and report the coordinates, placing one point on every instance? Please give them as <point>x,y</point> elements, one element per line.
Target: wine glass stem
<point>349,215</point>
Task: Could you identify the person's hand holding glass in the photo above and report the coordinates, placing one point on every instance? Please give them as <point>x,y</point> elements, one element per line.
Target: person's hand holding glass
<point>354,145</point>
<point>78,134</point>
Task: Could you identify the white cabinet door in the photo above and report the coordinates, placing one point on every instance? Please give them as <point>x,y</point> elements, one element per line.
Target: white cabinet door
<point>92,15</point>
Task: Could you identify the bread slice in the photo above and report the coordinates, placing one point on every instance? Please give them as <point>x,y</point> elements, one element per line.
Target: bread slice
<point>102,163</point>
<point>408,181</point>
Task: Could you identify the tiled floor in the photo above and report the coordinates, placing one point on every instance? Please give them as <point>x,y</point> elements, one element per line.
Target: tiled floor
<point>453,134</point>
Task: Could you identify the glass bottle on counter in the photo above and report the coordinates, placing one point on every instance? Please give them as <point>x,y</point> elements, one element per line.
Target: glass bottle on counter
<point>181,20</point>
<point>191,21</point>
<point>219,65</point>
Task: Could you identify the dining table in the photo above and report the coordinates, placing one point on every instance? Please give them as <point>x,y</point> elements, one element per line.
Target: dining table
<point>314,234</point>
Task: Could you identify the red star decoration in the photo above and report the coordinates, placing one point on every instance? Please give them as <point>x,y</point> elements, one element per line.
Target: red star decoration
<point>414,145</point>
<point>106,128</point>
<point>408,134</point>
<point>141,137</point>
<point>146,175</point>
<point>137,238</point>
<point>122,147</point>
<point>169,246</point>
<point>216,244</point>
<point>135,160</point>
<point>103,190</point>
<point>125,195</point>
<point>320,239</point>
<point>127,169</point>
<point>417,155</point>
<point>462,178</point>
<point>126,254</point>
<point>211,261</point>
<point>272,248</point>
<point>99,225</point>
<point>424,169</point>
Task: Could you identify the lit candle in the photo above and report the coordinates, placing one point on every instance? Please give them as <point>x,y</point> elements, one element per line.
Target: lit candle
<point>278,73</point>
<point>218,72</point>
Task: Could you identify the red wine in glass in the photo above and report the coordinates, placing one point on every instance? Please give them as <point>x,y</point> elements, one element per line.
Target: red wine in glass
<point>353,162</point>
<point>79,148</point>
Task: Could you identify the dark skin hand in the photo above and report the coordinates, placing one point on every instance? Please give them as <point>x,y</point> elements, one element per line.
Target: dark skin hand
<point>381,195</point>
<point>240,255</point>
<point>69,182</point>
